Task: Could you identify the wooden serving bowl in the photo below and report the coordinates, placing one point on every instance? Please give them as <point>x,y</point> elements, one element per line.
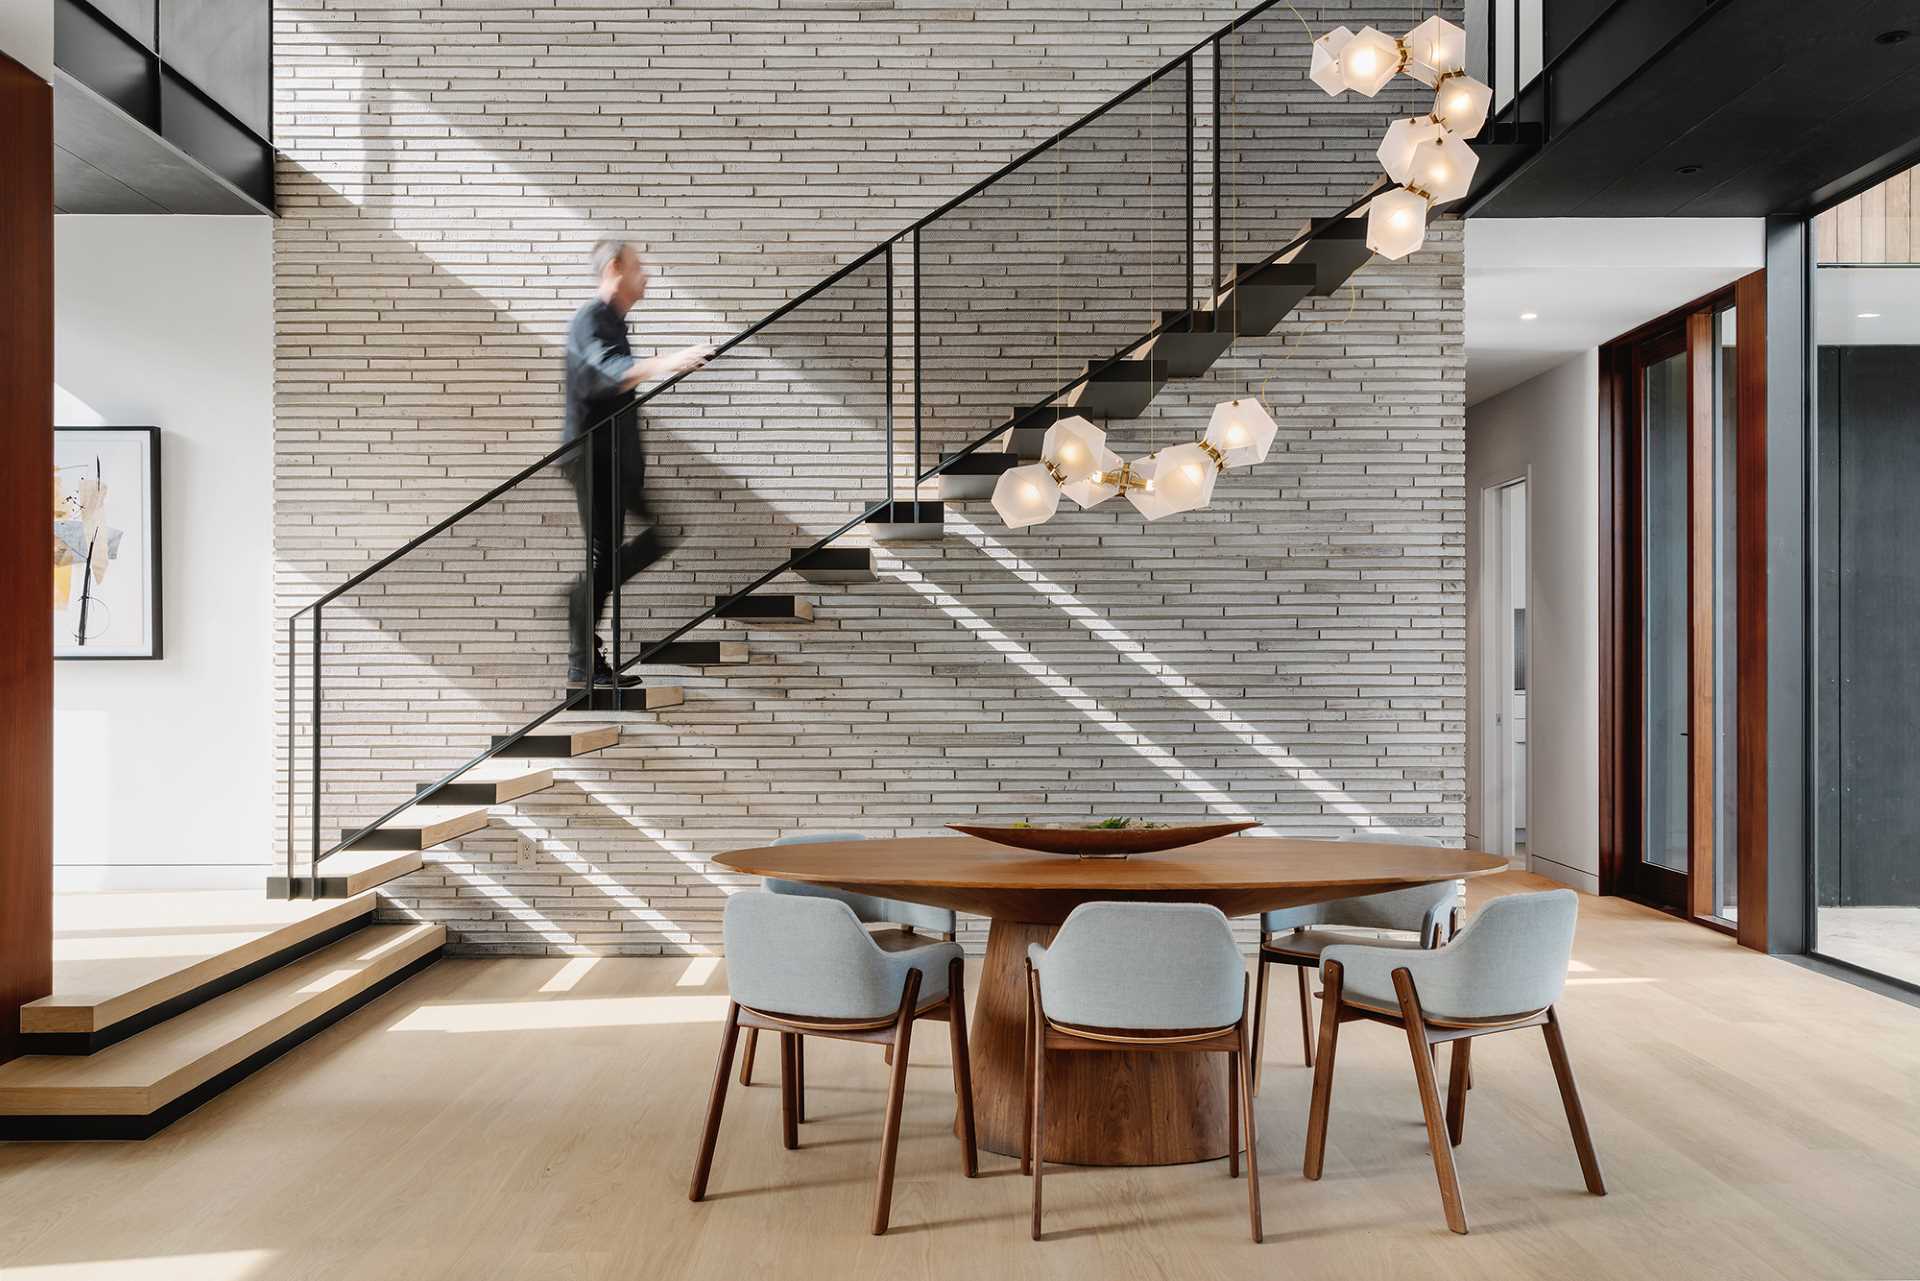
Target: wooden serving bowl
<point>1100,842</point>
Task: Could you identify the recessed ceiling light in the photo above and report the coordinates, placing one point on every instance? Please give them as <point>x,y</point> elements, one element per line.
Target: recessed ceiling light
<point>1688,169</point>
<point>1529,315</point>
<point>1892,37</point>
<point>1867,315</point>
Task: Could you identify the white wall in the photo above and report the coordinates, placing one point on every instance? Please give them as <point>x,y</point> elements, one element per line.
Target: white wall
<point>26,34</point>
<point>163,771</point>
<point>1547,430</point>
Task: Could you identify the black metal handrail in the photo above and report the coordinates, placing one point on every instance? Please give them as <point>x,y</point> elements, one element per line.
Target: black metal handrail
<point>586,443</point>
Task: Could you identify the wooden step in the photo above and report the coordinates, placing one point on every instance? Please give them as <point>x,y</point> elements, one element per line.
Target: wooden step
<point>1336,251</point>
<point>633,698</point>
<point>904,521</point>
<point>1122,389</point>
<point>554,742</point>
<point>132,1089</point>
<point>123,962</point>
<point>1261,297</point>
<point>1189,342</point>
<point>769,607</point>
<point>698,653</point>
<point>492,782</point>
<point>348,873</point>
<point>975,475</point>
<point>835,564</point>
<point>421,827</point>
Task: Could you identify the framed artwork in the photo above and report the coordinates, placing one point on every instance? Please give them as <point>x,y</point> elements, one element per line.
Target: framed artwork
<point>106,542</point>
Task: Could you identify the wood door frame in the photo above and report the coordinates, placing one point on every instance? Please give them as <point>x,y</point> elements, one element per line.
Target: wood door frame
<point>26,578</point>
<point>1623,748</point>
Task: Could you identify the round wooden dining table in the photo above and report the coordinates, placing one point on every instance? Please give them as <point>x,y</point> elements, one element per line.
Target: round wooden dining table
<point>1105,1109</point>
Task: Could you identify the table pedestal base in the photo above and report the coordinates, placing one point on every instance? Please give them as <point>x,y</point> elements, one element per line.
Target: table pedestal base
<point>1102,1109</point>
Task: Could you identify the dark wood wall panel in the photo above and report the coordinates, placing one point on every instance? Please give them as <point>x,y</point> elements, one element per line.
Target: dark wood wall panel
<point>26,563</point>
<point>1750,590</point>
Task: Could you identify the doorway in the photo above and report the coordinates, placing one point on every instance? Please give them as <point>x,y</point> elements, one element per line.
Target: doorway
<point>1504,664</point>
<point>1671,427</point>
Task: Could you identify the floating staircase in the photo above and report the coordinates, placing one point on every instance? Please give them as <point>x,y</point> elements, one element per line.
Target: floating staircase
<point>1247,301</point>
<point>130,1042</point>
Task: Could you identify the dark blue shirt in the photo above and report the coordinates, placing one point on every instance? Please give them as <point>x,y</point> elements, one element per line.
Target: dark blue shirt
<point>599,358</point>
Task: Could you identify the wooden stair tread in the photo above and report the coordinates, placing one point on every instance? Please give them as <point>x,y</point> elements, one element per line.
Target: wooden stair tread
<point>145,1072</point>
<point>421,827</point>
<point>493,782</point>
<point>770,607</point>
<point>352,872</point>
<point>552,741</point>
<point>109,966</point>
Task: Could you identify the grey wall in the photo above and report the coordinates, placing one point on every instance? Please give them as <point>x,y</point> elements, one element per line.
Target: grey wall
<point>1547,430</point>
<point>1295,654</point>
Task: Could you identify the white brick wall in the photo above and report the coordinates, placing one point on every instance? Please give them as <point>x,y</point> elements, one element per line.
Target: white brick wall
<point>1294,654</point>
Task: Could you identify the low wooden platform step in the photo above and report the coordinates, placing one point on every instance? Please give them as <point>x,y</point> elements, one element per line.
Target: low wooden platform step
<point>769,607</point>
<point>123,962</point>
<point>554,742</point>
<point>134,1088</point>
<point>348,873</point>
<point>835,564</point>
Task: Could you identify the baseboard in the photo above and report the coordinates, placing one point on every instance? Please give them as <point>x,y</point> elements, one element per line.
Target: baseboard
<point>66,1128</point>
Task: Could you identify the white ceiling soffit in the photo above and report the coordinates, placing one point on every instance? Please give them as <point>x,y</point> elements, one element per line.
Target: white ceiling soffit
<point>1867,306</point>
<point>1586,281</point>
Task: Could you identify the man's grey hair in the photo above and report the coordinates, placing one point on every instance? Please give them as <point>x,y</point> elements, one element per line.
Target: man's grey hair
<point>606,252</point>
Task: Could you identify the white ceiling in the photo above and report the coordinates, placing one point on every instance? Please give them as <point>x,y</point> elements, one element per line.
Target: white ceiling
<point>1587,281</point>
<point>1867,306</point>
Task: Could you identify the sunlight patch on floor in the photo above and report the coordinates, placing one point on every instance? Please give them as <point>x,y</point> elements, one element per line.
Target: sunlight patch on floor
<point>227,1265</point>
<point>536,1015</point>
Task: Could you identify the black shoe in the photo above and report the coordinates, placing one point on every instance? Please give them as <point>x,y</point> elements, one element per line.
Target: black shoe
<point>603,677</point>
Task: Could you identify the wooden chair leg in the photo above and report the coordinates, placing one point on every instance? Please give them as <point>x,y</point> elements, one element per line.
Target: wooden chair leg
<point>962,1066</point>
<point>1306,1013</point>
<point>789,1122</point>
<point>746,1058</point>
<point>1430,1105</point>
<point>896,1097</point>
<point>1245,1086</point>
<point>1233,1114</point>
<point>1027,1077</point>
<point>1570,1098</point>
<point>799,1079</point>
<point>1039,1123</point>
<point>1459,1066</point>
<point>1323,1072</point>
<point>716,1103</point>
<point>1260,964</point>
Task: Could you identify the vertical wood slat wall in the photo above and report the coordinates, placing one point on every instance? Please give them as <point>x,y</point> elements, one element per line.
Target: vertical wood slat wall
<point>1881,224</point>
<point>26,569</point>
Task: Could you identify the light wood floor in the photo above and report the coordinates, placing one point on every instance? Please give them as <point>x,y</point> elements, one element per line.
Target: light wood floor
<point>523,1118</point>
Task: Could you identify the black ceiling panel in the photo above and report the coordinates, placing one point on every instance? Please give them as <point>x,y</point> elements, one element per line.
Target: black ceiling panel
<point>92,130</point>
<point>1752,107</point>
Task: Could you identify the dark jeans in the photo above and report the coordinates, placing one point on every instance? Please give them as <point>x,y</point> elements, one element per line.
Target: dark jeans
<point>605,502</point>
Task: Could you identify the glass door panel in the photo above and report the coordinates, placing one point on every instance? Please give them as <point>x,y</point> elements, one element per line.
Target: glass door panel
<point>1664,443</point>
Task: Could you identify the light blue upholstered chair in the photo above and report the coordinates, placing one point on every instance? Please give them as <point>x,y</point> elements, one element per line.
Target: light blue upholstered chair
<point>870,909</point>
<point>1294,936</point>
<point>1144,977</point>
<point>802,965</point>
<point>1504,971</point>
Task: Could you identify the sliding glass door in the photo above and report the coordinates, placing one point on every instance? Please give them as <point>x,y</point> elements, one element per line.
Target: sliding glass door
<point>1866,604</point>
